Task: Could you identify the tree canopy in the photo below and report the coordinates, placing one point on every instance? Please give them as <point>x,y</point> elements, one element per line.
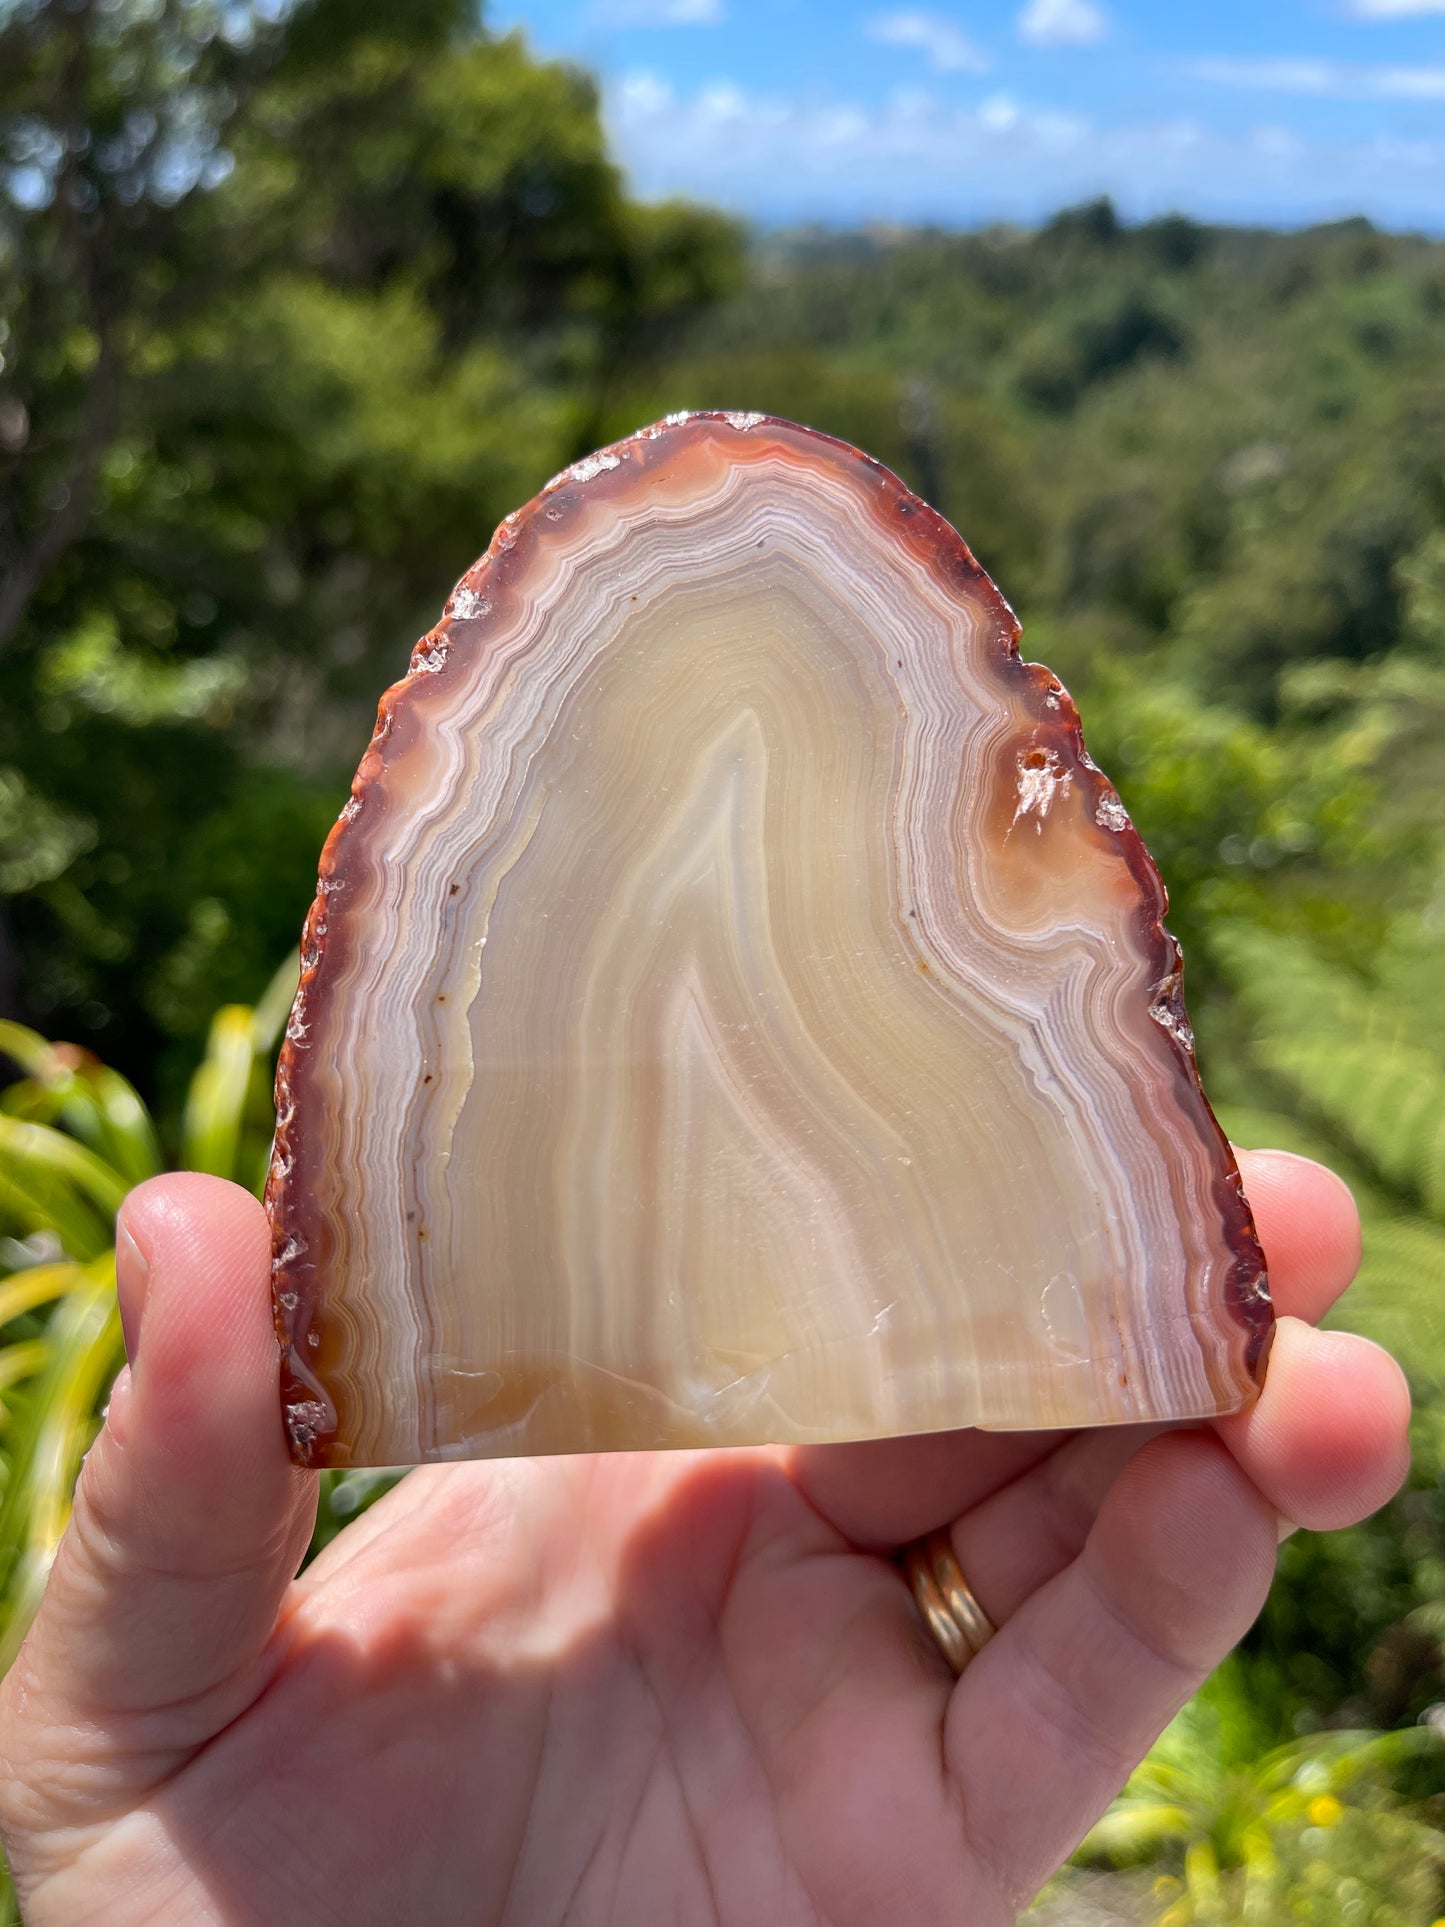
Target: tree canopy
<point>293,307</point>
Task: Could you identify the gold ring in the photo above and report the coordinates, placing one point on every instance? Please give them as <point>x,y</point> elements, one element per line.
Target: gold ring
<point>960,1626</point>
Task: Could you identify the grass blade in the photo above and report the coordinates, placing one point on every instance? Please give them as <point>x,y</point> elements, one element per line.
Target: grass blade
<point>41,1200</point>
<point>22,1360</point>
<point>26,1291</point>
<point>95,1103</point>
<point>44,1149</point>
<point>216,1101</point>
<point>275,1007</point>
<point>83,1343</point>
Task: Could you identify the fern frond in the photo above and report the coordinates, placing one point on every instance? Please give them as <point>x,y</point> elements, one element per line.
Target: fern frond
<point>1362,1064</point>
<point>1398,1299</point>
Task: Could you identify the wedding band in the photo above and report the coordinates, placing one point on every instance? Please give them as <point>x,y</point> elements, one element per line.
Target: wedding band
<point>960,1626</point>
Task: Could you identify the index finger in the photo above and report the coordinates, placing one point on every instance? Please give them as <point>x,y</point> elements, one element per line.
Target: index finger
<point>1309,1227</point>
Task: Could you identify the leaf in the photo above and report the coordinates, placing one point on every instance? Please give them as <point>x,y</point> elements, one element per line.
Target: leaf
<point>1398,1298</point>
<point>20,1361</point>
<point>45,1447</point>
<point>42,1198</point>
<point>216,1102</point>
<point>60,1186</point>
<point>124,1134</point>
<point>26,1290</point>
<point>95,1103</point>
<point>1365,1064</point>
<point>42,1148</point>
<point>1346,1757</point>
<point>275,1007</point>
<point>1201,1873</point>
<point>32,1052</point>
<point>1134,1830</point>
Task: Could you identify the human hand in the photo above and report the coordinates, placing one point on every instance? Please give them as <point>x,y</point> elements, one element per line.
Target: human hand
<point>630,1689</point>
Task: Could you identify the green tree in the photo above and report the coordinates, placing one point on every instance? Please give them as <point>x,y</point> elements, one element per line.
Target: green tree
<point>295,303</point>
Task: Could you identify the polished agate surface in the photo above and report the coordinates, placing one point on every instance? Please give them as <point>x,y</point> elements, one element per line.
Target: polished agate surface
<point>736,1009</point>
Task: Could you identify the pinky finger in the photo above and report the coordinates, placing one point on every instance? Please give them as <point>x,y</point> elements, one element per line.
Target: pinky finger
<point>1328,1439</point>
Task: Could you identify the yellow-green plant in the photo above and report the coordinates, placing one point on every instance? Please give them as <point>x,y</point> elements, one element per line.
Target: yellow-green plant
<point>1312,1830</point>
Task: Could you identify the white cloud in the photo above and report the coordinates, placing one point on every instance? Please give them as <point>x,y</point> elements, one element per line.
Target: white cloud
<point>999,113</point>
<point>1323,77</point>
<point>721,103</point>
<point>919,157</point>
<point>1398,153</point>
<point>1276,143</point>
<point>644,94</point>
<point>1063,23</point>
<point>947,48</point>
<point>1270,76</point>
<point>1408,83</point>
<point>1395,9</point>
<point>658,13</point>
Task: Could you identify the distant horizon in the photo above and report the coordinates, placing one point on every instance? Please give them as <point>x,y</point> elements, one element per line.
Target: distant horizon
<point>961,229</point>
<point>966,114</point>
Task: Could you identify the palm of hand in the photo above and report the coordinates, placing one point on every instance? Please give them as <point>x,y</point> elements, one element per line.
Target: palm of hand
<point>685,1688</point>
<point>633,1690</point>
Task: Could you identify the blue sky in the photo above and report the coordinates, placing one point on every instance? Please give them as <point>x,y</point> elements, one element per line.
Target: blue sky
<point>1283,111</point>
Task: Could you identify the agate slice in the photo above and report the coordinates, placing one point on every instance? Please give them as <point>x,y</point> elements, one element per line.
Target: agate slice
<point>736,1009</point>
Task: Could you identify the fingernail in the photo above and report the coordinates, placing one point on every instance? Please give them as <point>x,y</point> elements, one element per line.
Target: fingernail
<point>117,1406</point>
<point>132,1272</point>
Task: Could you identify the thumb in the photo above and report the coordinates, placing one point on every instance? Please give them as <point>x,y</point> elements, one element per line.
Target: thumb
<point>189,1518</point>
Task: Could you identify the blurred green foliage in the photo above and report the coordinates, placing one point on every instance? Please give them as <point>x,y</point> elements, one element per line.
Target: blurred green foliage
<point>1311,1830</point>
<point>292,311</point>
<point>296,300</point>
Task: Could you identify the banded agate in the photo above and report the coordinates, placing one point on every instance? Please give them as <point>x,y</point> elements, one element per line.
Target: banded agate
<point>736,1009</point>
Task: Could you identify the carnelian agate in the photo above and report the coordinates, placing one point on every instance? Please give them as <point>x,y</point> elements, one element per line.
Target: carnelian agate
<point>735,1008</point>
